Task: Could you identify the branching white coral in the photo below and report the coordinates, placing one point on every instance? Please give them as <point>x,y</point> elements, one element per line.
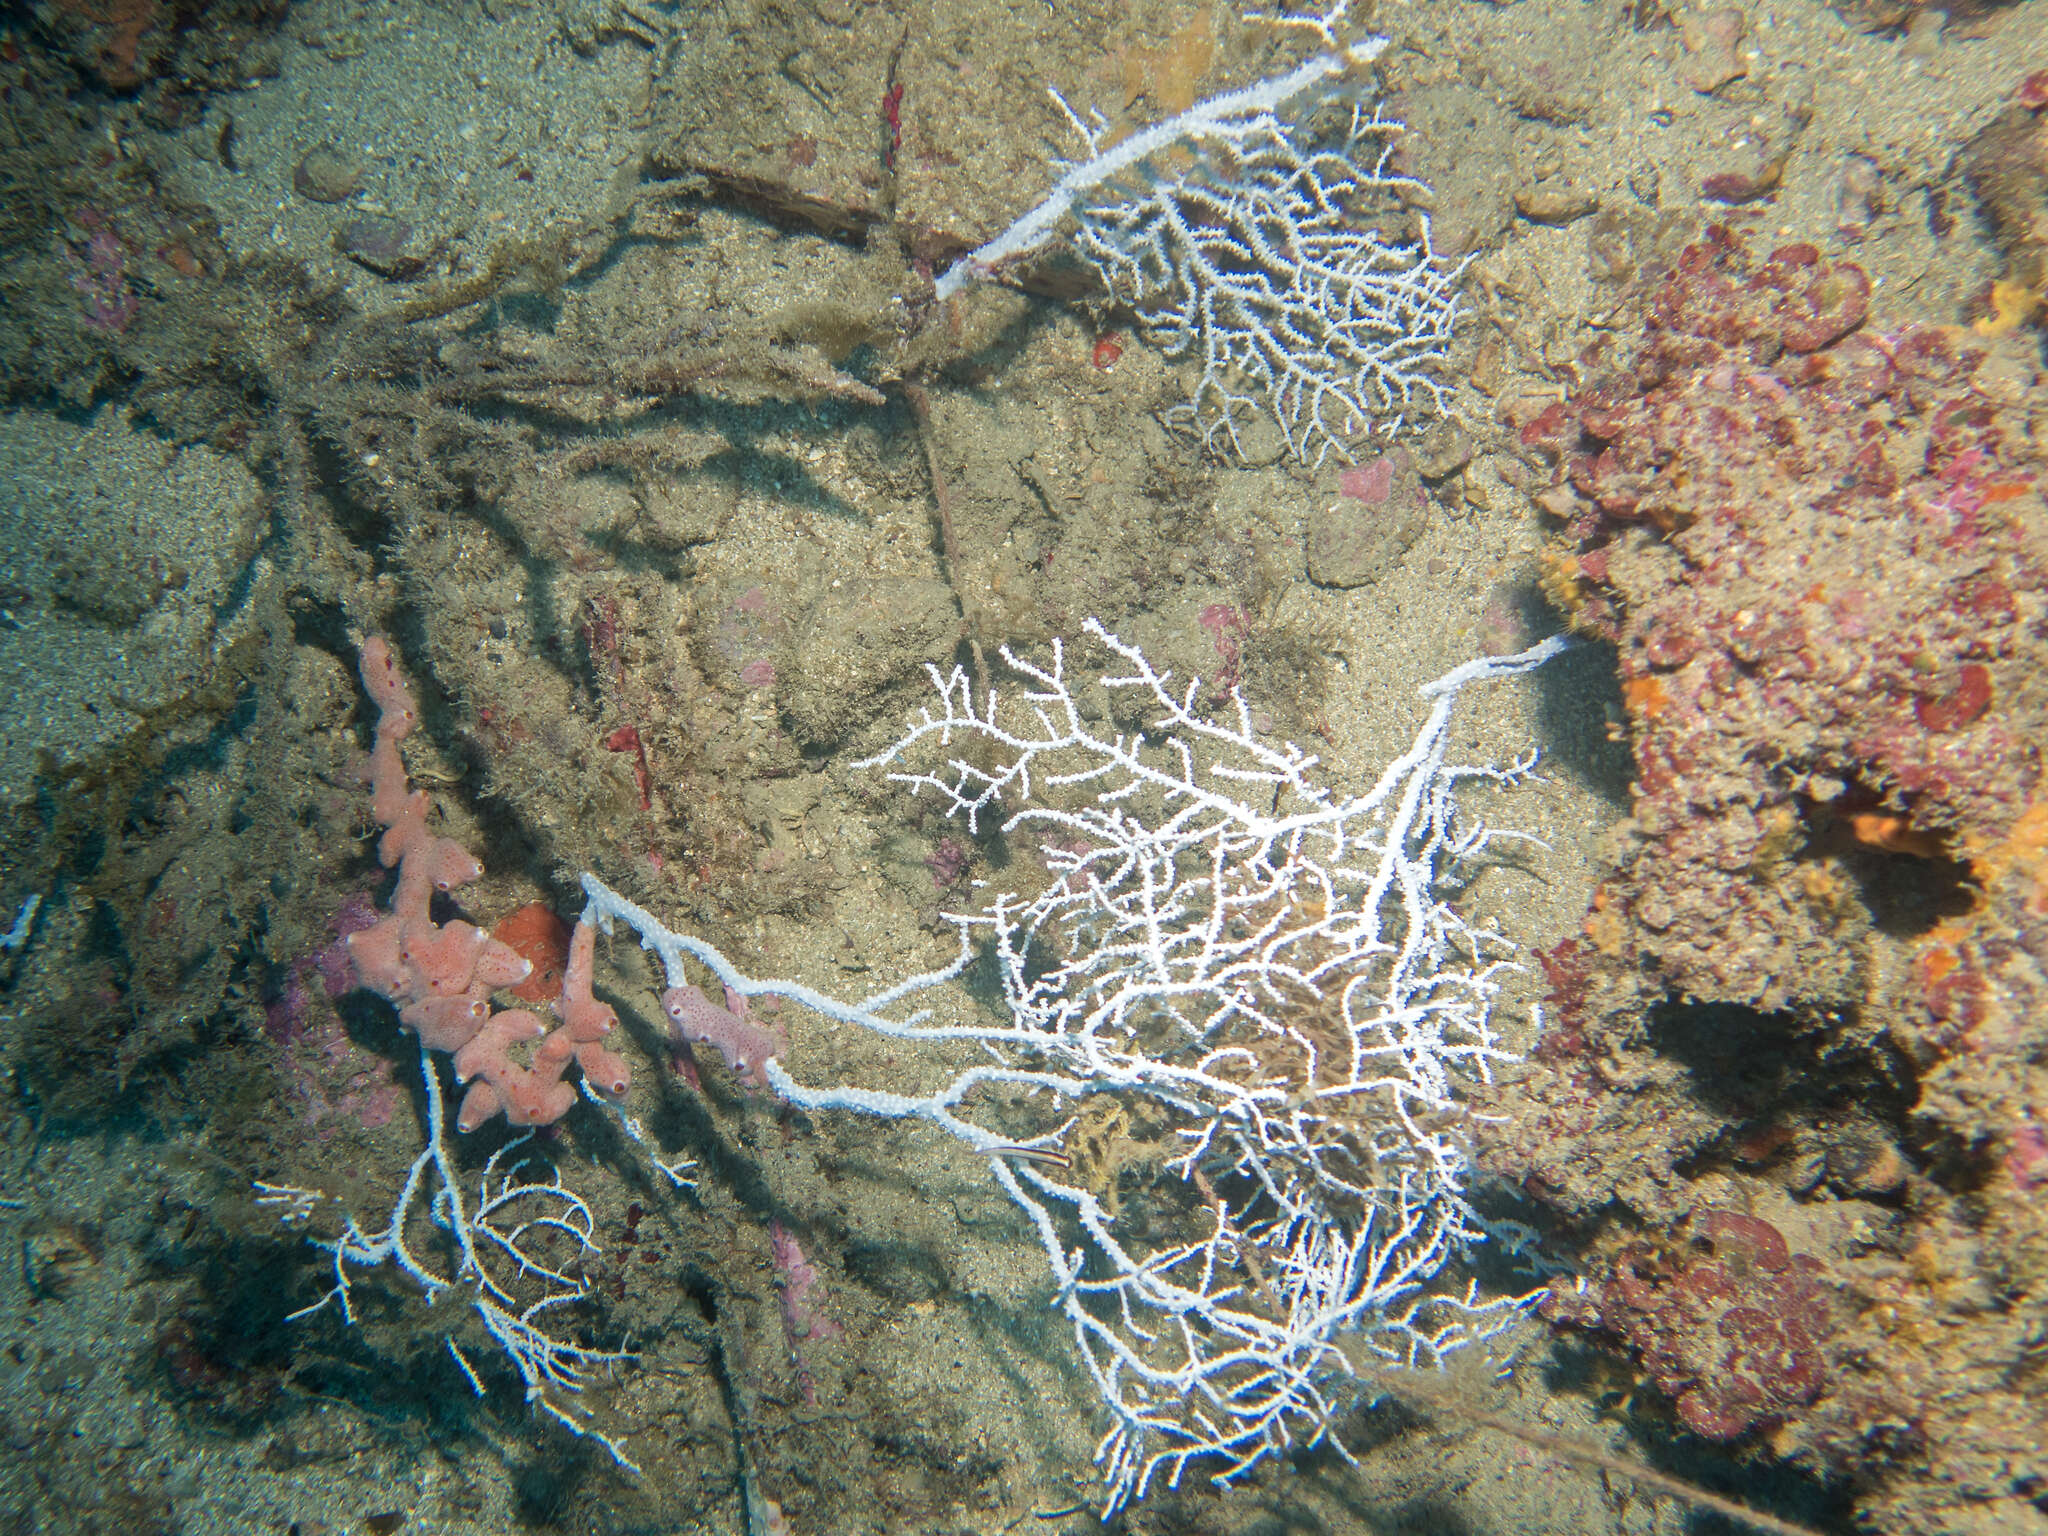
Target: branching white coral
<point>494,1253</point>
<point>1266,986</point>
<point>1261,254</point>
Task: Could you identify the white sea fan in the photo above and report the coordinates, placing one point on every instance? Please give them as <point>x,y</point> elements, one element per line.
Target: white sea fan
<point>1261,988</point>
<point>1271,258</point>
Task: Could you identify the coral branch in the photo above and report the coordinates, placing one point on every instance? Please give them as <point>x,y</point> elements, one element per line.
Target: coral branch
<point>1260,257</point>
<point>516,1252</point>
<point>1258,977</point>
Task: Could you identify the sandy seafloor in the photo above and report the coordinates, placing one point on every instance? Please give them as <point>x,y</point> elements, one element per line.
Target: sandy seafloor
<point>671,481</point>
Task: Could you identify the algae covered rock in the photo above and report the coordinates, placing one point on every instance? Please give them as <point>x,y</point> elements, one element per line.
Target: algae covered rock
<point>859,640</point>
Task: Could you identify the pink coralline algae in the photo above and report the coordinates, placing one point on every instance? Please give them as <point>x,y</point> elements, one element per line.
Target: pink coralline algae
<point>1818,543</point>
<point>800,1294</point>
<point>1370,483</point>
<point>284,1015</point>
<point>1819,550</point>
<point>2026,1158</point>
<point>948,861</point>
<point>329,1080</point>
<point>802,1288</point>
<point>1228,626</point>
<point>337,972</point>
<point>1731,1328</point>
<point>100,275</point>
<point>746,636</point>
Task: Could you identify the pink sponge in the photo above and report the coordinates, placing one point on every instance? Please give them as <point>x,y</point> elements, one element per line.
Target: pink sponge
<point>743,1043</point>
<point>442,975</point>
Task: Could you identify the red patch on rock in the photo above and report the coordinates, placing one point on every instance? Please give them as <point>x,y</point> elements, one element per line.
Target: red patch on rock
<point>1731,1327</point>
<point>539,937</point>
<point>1370,483</point>
<point>1961,705</point>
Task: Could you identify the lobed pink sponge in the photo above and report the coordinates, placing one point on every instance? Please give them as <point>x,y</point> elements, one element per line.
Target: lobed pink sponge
<point>744,1044</point>
<point>535,1094</point>
<point>441,975</point>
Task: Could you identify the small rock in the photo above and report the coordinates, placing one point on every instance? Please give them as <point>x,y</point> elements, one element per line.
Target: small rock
<point>1713,42</point>
<point>1923,33</point>
<point>1555,202</point>
<point>677,512</point>
<point>1379,513</point>
<point>1736,187</point>
<point>381,246</point>
<point>1862,1162</point>
<point>1610,249</point>
<point>859,640</point>
<point>1488,373</point>
<point>2005,378</point>
<point>111,585</point>
<point>1445,449</point>
<point>2006,165</point>
<point>1859,197</point>
<point>55,1254</point>
<point>325,174</point>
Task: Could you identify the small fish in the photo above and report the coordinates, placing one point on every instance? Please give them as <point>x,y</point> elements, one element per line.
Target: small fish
<point>1035,1154</point>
